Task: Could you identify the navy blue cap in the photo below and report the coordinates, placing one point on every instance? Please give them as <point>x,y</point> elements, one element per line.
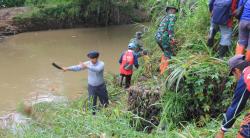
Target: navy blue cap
<point>93,54</point>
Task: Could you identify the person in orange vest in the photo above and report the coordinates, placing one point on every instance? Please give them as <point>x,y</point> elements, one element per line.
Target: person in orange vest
<point>127,60</point>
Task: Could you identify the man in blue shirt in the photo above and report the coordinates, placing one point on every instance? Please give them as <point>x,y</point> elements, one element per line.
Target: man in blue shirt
<point>241,71</point>
<point>96,84</point>
<point>221,21</point>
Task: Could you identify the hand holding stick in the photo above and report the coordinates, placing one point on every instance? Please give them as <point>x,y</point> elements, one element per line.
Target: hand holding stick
<point>59,67</point>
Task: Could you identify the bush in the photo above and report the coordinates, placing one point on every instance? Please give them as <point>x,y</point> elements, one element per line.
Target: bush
<point>11,3</point>
<point>56,14</point>
<point>200,81</point>
<point>50,17</point>
<point>35,2</point>
<point>205,80</point>
<point>41,3</point>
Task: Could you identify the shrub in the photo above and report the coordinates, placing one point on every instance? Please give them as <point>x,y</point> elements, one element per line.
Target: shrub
<point>200,80</point>
<point>62,15</point>
<point>35,2</point>
<point>11,3</point>
<point>206,82</point>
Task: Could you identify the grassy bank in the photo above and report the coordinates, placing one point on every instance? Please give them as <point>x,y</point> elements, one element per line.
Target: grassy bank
<point>59,120</point>
<point>67,14</point>
<point>194,95</point>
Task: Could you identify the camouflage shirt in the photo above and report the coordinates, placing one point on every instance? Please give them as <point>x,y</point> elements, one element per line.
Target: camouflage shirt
<point>167,26</point>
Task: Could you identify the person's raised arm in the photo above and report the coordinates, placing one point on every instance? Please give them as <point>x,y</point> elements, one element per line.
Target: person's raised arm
<point>237,105</point>
<point>75,68</point>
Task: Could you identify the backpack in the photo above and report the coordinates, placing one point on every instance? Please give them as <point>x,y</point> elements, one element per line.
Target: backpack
<point>221,11</point>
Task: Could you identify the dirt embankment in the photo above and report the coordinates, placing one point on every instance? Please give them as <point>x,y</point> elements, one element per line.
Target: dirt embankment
<point>9,26</point>
<point>6,20</point>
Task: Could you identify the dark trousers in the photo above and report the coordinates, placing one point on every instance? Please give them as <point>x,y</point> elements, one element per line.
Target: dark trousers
<point>100,92</point>
<point>127,80</point>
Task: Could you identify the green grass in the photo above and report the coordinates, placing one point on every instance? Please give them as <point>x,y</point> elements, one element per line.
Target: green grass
<point>195,63</point>
<point>53,120</point>
<point>54,14</point>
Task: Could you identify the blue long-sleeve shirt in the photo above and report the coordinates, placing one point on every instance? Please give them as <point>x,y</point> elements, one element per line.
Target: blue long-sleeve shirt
<point>241,95</point>
<point>136,63</point>
<point>246,11</point>
<point>95,72</point>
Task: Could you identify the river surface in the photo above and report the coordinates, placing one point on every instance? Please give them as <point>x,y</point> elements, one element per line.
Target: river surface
<point>25,61</point>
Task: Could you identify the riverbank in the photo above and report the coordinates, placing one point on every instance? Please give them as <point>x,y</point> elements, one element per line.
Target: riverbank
<point>7,26</point>
<point>75,120</point>
<point>67,15</point>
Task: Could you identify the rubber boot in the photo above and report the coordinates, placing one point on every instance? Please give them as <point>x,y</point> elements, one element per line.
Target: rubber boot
<point>222,51</point>
<point>210,41</point>
<point>248,56</point>
<point>163,64</point>
<point>239,50</point>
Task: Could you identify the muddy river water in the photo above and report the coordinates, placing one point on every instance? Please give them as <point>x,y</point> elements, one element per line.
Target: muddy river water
<point>25,61</point>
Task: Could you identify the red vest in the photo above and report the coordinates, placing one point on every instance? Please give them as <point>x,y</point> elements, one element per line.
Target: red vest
<point>247,77</point>
<point>128,57</point>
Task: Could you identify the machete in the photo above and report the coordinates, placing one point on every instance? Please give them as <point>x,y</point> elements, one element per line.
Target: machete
<point>57,66</point>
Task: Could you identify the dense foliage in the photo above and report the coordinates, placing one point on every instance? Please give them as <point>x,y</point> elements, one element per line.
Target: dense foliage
<point>65,13</point>
<point>11,3</point>
<point>197,83</point>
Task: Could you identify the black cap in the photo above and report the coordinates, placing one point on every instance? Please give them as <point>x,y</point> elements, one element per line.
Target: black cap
<point>93,54</point>
<point>171,7</point>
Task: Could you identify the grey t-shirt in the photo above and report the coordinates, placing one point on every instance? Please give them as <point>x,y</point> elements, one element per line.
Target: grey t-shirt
<point>95,72</point>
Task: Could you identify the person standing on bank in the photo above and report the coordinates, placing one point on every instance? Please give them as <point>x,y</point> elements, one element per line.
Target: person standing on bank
<point>165,37</point>
<point>96,84</point>
<point>221,20</point>
<point>127,60</point>
<point>240,69</point>
<point>138,44</point>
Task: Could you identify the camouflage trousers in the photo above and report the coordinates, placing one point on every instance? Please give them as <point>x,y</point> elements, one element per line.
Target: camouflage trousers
<point>165,44</point>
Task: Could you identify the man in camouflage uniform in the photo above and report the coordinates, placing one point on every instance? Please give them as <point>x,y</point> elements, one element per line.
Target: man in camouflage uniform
<point>165,36</point>
<point>138,44</point>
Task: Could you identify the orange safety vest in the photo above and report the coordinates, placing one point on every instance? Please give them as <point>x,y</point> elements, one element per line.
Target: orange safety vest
<point>128,57</point>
